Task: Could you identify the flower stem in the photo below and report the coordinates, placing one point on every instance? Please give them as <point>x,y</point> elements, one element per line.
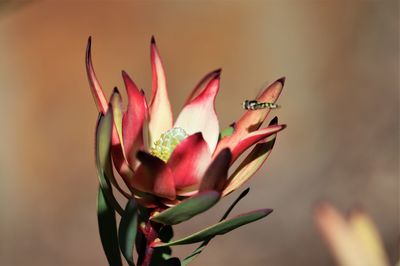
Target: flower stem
<point>151,235</point>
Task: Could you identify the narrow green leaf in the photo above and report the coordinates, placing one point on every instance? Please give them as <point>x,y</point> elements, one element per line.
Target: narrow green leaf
<point>241,196</point>
<point>103,158</point>
<point>127,231</point>
<point>203,245</point>
<point>219,228</point>
<point>103,147</point>
<point>188,208</point>
<point>195,253</point>
<point>140,245</point>
<point>108,230</point>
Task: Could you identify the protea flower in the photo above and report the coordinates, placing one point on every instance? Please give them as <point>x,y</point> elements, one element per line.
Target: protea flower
<point>181,164</point>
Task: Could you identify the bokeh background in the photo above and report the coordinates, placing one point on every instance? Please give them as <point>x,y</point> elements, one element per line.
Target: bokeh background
<point>341,60</point>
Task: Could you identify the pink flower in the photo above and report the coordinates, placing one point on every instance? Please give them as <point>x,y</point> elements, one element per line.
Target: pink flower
<point>186,156</point>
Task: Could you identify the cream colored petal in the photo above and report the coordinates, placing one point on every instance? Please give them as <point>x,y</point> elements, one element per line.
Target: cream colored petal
<point>368,238</point>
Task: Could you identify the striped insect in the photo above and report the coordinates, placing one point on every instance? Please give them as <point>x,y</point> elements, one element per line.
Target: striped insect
<point>255,105</point>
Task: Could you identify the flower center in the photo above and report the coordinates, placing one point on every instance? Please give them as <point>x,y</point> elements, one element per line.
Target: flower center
<point>167,142</point>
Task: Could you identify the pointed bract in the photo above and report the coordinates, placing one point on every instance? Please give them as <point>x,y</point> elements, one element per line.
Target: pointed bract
<point>188,163</point>
<point>250,165</point>
<point>252,120</point>
<point>102,106</point>
<point>95,87</point>
<point>216,175</point>
<point>118,151</point>
<point>153,176</point>
<point>159,108</point>
<point>199,115</point>
<point>202,85</point>
<point>254,137</point>
<point>134,117</point>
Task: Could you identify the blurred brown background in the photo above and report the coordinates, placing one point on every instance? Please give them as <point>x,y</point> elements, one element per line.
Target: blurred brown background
<point>340,103</point>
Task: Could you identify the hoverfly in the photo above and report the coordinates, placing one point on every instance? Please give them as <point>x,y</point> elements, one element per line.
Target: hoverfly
<point>255,105</point>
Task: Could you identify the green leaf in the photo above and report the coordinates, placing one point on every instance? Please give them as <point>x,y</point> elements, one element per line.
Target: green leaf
<point>108,230</point>
<point>127,231</point>
<point>103,158</point>
<point>241,196</point>
<point>219,228</point>
<point>227,132</point>
<point>203,245</point>
<point>140,244</point>
<point>188,208</point>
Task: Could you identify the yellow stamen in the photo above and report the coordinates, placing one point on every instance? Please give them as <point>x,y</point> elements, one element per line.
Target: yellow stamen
<point>167,142</point>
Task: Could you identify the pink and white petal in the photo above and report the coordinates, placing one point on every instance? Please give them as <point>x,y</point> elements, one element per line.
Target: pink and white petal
<point>95,87</point>
<point>199,115</point>
<point>254,137</point>
<point>249,166</point>
<point>252,120</point>
<point>160,108</point>
<point>133,119</point>
<point>216,176</point>
<point>254,160</point>
<point>118,157</point>
<point>153,176</point>
<point>102,105</point>
<point>188,162</point>
<point>202,84</point>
